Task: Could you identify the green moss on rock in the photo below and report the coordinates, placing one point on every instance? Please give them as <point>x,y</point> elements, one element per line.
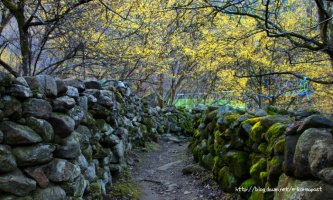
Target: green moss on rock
<point>239,163</point>
<point>274,132</point>
<point>279,146</point>
<point>227,181</point>
<point>256,132</point>
<point>257,168</point>
<point>252,121</point>
<point>262,147</point>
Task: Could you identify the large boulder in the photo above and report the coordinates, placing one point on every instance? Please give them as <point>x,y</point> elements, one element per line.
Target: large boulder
<point>33,155</point>
<point>63,125</point>
<point>7,159</point>
<point>305,190</point>
<point>289,151</point>
<point>315,121</point>
<point>17,134</point>
<point>303,147</point>
<point>43,84</point>
<point>16,183</point>
<point>321,160</point>
<point>11,107</point>
<point>37,108</point>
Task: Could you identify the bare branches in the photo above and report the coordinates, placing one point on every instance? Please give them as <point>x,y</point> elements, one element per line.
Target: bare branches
<point>299,76</point>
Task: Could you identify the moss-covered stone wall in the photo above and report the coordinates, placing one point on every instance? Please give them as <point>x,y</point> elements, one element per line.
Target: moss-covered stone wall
<point>68,139</point>
<point>251,151</point>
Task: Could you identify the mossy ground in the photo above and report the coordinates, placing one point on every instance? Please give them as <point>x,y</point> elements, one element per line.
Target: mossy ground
<point>127,189</point>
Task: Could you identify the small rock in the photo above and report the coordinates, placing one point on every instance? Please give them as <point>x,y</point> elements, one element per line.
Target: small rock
<point>72,92</point>
<point>77,83</point>
<point>63,125</point>
<point>63,103</point>
<point>38,174</point>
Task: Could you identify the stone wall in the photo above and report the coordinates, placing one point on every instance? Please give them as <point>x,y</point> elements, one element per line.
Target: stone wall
<point>68,139</point>
<point>252,151</point>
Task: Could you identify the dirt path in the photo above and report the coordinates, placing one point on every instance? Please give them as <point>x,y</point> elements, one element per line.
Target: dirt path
<point>159,173</point>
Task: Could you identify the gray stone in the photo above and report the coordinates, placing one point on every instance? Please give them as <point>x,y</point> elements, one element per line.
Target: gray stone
<point>63,125</point>
<point>106,98</point>
<point>321,160</point>
<point>16,183</point>
<point>50,193</point>
<point>21,81</point>
<point>83,103</point>
<point>63,103</point>
<point>90,172</point>
<point>20,91</point>
<point>303,190</point>
<point>120,150</point>
<point>75,188</point>
<point>18,134</point>
<point>315,121</point>
<point>42,128</point>
<point>69,147</point>
<point>33,155</point>
<point>59,170</point>
<point>289,151</point>
<point>5,79</point>
<point>260,113</point>
<point>11,107</point>
<point>61,86</point>
<point>77,114</point>
<point>43,84</point>
<point>38,174</point>
<point>7,159</point>
<point>91,84</point>
<point>72,92</point>
<point>303,147</point>
<point>82,162</point>
<point>1,137</point>
<point>37,108</point>
<point>77,83</point>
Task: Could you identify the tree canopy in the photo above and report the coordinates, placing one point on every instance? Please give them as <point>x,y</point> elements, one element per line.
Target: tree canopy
<point>246,50</point>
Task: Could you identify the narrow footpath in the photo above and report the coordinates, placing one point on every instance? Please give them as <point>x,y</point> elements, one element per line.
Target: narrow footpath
<point>159,173</point>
